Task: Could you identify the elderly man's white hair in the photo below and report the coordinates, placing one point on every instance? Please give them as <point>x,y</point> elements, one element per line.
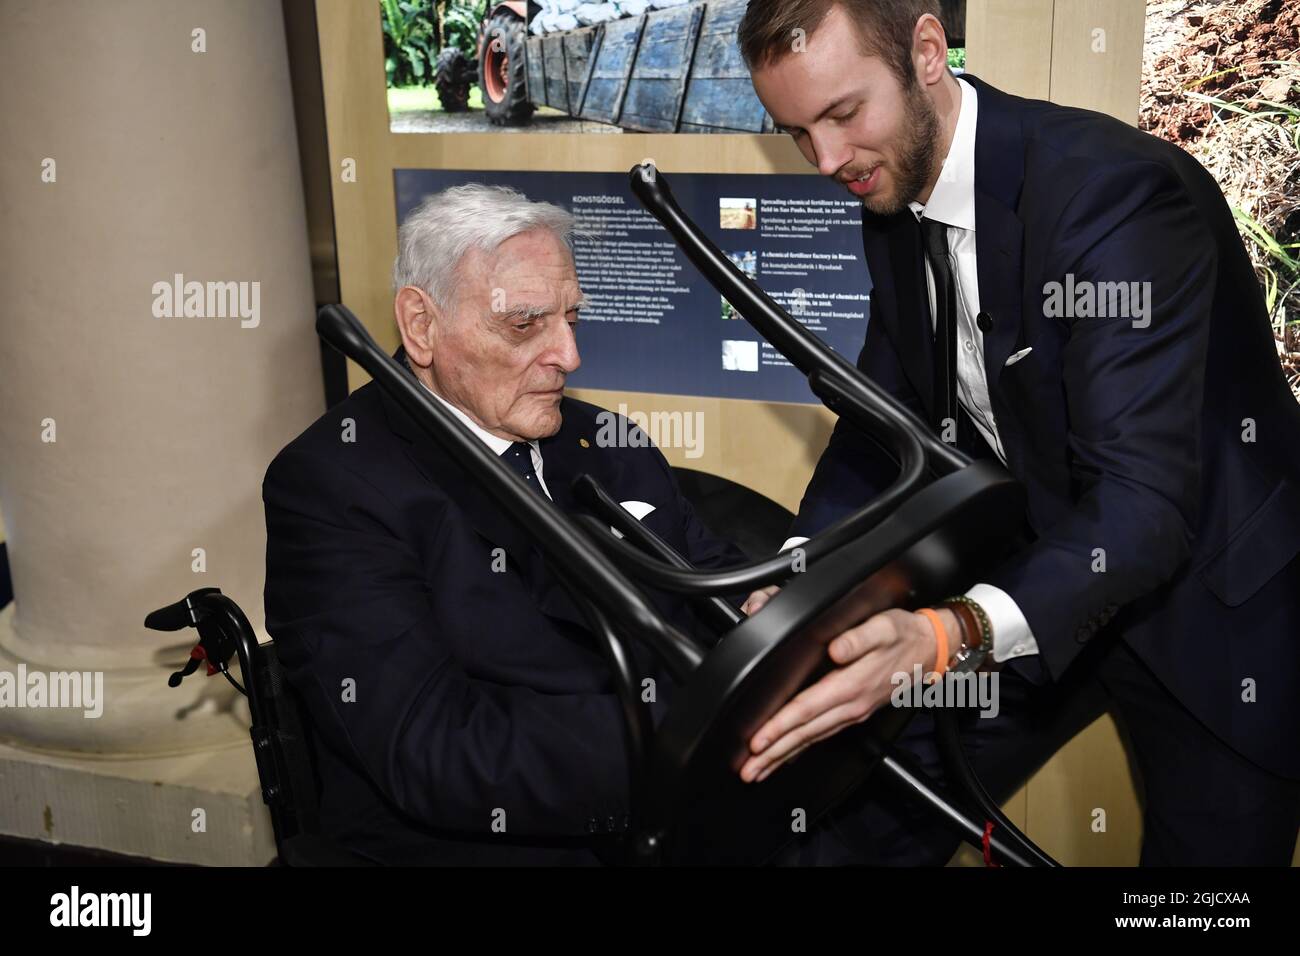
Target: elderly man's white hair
<point>446,225</point>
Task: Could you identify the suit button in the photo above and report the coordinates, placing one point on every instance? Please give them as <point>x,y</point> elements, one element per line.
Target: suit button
<point>984,321</point>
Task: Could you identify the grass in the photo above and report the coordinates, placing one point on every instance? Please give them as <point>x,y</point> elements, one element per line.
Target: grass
<point>1255,150</point>
<point>410,99</point>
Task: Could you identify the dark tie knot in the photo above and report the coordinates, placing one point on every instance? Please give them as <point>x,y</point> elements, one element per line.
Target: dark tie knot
<point>936,239</point>
<point>519,459</point>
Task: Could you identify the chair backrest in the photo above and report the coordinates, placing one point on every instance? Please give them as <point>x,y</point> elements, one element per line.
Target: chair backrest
<point>734,512</point>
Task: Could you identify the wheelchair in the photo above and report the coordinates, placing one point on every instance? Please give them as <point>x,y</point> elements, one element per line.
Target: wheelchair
<point>921,539</point>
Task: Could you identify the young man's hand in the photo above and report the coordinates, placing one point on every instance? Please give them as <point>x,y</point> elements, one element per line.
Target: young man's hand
<point>868,656</point>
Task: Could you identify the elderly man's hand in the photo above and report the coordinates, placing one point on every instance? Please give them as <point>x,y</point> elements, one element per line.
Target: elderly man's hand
<point>868,656</point>
<point>754,603</point>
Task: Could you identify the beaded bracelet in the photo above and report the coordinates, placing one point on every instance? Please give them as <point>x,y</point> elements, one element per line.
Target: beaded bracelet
<point>966,610</point>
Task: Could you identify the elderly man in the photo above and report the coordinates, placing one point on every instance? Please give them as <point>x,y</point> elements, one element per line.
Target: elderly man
<point>462,711</point>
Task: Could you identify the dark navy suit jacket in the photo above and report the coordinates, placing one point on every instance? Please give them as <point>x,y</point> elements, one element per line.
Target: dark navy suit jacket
<point>1175,448</point>
<point>480,696</point>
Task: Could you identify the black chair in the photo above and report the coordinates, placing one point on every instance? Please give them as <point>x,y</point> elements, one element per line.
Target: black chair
<point>922,539</point>
<point>281,745</point>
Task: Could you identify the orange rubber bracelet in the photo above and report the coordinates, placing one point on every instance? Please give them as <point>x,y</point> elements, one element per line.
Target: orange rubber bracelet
<point>940,640</point>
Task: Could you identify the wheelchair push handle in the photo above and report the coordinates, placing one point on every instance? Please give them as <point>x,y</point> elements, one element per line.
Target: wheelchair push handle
<point>223,633</point>
<point>186,612</point>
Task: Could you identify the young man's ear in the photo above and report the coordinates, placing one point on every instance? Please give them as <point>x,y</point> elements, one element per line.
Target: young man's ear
<point>415,313</point>
<point>930,50</point>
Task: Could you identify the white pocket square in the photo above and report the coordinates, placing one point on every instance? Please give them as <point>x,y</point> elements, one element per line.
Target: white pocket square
<point>1017,357</point>
<point>637,509</point>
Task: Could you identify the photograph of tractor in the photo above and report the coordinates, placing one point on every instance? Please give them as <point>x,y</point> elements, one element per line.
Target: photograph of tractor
<point>638,65</point>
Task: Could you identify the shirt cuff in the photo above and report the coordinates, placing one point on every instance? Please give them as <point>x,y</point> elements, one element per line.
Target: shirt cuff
<point>1011,634</point>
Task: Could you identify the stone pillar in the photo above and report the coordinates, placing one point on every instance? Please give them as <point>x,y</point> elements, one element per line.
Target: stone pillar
<point>149,145</point>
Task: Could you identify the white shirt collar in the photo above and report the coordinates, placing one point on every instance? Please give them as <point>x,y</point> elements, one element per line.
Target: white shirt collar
<point>952,201</point>
<point>495,442</point>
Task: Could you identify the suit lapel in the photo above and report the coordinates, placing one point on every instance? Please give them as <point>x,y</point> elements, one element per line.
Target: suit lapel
<point>913,328</point>
<point>486,516</point>
<point>563,459</point>
<point>999,233</point>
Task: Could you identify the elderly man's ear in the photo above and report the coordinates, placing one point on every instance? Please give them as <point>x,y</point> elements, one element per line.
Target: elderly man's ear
<point>416,314</point>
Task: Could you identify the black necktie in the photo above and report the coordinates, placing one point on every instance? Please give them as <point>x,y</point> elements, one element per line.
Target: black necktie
<point>935,235</point>
<point>519,458</point>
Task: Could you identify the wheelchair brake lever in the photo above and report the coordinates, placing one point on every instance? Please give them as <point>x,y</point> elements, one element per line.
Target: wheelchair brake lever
<point>197,653</point>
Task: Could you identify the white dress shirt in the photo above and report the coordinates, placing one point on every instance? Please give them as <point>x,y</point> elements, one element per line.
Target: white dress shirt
<point>952,202</point>
<point>498,445</point>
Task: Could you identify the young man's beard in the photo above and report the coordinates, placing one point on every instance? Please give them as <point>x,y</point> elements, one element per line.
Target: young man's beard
<point>917,152</point>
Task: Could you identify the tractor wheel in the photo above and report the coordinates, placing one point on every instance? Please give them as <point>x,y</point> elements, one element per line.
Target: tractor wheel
<point>452,75</point>
<point>501,71</point>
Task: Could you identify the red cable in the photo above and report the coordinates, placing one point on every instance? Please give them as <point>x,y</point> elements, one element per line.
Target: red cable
<point>988,854</point>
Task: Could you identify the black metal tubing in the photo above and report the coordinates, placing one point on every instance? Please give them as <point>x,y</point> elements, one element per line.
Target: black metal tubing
<point>945,728</point>
<point>923,788</point>
<point>836,392</point>
<point>804,350</point>
<point>552,530</point>
<point>638,725</point>
<point>778,568</point>
<point>719,614</point>
<point>840,385</point>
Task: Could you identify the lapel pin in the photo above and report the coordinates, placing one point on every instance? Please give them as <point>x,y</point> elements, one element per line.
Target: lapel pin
<point>584,443</point>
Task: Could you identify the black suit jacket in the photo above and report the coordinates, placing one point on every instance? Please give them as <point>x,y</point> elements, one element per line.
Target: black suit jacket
<point>447,696</point>
<point>1169,452</point>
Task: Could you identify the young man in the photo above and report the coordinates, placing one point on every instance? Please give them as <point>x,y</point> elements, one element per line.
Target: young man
<point>1057,289</point>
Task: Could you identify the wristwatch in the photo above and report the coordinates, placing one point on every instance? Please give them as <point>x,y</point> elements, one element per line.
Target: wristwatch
<point>976,648</point>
